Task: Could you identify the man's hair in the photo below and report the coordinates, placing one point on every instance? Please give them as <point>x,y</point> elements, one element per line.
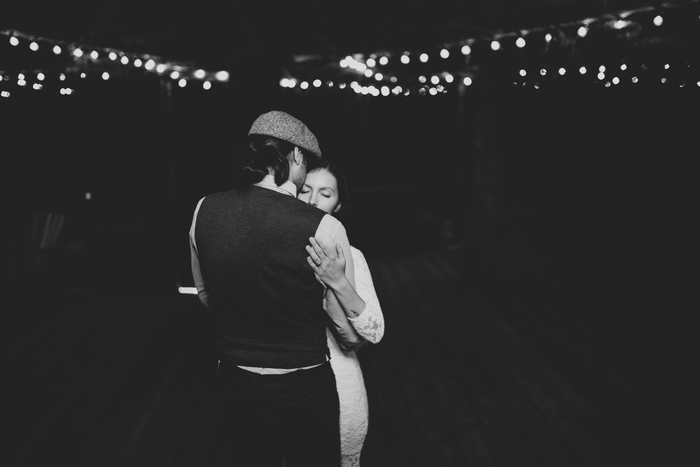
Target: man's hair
<point>264,153</point>
<point>343,193</point>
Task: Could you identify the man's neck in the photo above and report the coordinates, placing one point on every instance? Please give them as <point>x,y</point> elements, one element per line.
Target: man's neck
<point>287,187</point>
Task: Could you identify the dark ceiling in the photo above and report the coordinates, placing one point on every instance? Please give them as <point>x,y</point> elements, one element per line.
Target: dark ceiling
<point>204,31</point>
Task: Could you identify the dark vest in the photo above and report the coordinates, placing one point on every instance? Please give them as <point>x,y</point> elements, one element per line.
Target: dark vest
<point>267,304</point>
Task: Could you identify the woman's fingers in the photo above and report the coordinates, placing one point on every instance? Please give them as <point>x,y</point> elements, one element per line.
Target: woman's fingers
<point>321,247</point>
<point>313,254</point>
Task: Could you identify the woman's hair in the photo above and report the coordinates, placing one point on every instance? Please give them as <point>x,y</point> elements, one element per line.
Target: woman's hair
<point>343,193</point>
<point>267,152</point>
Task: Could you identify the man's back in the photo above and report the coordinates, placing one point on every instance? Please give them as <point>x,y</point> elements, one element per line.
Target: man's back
<point>266,300</point>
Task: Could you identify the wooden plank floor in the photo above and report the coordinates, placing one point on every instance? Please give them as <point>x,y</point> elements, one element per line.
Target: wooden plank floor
<point>111,377</point>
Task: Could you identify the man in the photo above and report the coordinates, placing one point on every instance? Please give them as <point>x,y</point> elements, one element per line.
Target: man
<point>250,267</point>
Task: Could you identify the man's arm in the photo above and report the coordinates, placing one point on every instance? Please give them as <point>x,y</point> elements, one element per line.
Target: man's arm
<point>196,271</point>
<point>332,232</point>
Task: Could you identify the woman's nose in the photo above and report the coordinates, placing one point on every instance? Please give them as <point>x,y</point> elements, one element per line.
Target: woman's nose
<point>312,200</point>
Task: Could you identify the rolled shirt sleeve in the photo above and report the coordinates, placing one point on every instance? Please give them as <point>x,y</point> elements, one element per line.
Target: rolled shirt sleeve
<point>194,259</point>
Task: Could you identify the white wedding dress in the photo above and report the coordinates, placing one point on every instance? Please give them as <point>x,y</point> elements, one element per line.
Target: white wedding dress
<point>348,374</point>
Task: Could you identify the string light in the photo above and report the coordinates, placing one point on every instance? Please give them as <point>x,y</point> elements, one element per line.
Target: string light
<point>206,85</point>
<point>105,76</point>
<point>467,81</point>
<point>405,59</point>
<point>371,62</point>
<point>160,68</point>
<point>199,74</point>
<point>520,42</point>
<point>658,20</point>
<point>383,60</point>
<point>14,41</point>
<point>424,57</point>
<point>112,56</point>
<point>582,70</point>
<point>523,72</point>
<point>78,53</point>
<point>495,45</point>
<point>33,46</point>
<point>57,49</point>
<point>466,50</point>
<point>582,31</point>
<point>182,83</point>
<point>444,53</point>
<point>138,62</point>
<point>94,55</point>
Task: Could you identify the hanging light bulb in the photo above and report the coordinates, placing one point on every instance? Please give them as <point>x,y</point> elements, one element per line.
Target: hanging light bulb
<point>467,81</point>
<point>435,80</point>
<point>433,91</point>
<point>182,83</point>
<point>444,53</point>
<point>83,75</point>
<point>304,85</point>
<point>385,90</point>
<point>520,42</point>
<point>635,80</point>
<point>199,74</point>
<point>317,83</point>
<point>658,20</point>
<point>37,86</point>
<point>222,75</point>
<point>174,75</point>
<point>601,68</point>
<point>14,41</point>
<point>466,50</point>
<point>379,76</point>
<point>449,78</point>
<point>543,72</point>
<point>548,37</point>
<point>105,76</point>
<point>422,79</point>
<point>124,60</point>
<point>523,73</point>
<point>138,62</point>
<point>5,93</point>
<point>34,46</point>
<point>150,64</point>
<point>615,80</point>
<point>112,56</point>
<point>582,31</point>
<point>161,69</point>
<point>623,67</point>
<point>562,71</point>
<point>582,70</point>
<point>495,45</point>
<point>40,76</point>
<point>424,57</point>
<point>371,62</point>
<point>405,58</point>
<point>206,85</point>
<point>78,53</point>
<point>94,55</point>
<point>383,60</point>
<point>62,77</point>
<point>601,76</point>
<point>56,49</point>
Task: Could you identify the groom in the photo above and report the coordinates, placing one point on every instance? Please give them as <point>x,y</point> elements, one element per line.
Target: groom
<point>249,265</point>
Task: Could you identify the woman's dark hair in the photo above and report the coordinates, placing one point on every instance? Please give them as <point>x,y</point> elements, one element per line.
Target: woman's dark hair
<point>343,193</point>
<point>267,152</point>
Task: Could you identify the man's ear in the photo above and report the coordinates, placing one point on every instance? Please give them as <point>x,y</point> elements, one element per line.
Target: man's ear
<point>297,156</point>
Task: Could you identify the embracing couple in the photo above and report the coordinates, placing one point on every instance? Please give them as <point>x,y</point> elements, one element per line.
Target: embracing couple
<point>291,302</point>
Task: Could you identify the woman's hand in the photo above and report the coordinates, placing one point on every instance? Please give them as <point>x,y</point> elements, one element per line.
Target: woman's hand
<point>327,262</point>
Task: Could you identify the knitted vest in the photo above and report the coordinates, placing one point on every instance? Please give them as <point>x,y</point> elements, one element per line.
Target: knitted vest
<point>267,304</point>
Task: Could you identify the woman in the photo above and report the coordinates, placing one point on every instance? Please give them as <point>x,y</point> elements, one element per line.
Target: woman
<point>325,189</point>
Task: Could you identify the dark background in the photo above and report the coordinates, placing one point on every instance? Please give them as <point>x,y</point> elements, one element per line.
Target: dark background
<point>578,201</point>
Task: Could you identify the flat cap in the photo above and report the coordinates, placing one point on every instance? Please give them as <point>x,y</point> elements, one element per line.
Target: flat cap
<point>285,127</point>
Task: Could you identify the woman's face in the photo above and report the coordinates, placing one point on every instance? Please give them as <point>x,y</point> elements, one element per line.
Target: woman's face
<point>321,190</point>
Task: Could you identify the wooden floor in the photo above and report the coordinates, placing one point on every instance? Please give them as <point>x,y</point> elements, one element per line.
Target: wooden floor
<point>110,377</point>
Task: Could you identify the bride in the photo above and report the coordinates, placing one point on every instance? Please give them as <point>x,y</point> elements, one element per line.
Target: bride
<point>325,188</point>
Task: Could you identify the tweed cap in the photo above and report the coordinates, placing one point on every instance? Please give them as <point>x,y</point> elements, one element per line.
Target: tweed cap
<point>285,127</point>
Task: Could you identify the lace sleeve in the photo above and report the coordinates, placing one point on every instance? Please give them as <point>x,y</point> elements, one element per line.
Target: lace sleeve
<point>370,324</point>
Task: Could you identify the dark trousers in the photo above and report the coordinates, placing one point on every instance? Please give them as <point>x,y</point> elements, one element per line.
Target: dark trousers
<point>293,415</point>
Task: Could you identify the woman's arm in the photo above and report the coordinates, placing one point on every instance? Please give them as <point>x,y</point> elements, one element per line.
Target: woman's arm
<point>361,306</point>
<point>370,324</point>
